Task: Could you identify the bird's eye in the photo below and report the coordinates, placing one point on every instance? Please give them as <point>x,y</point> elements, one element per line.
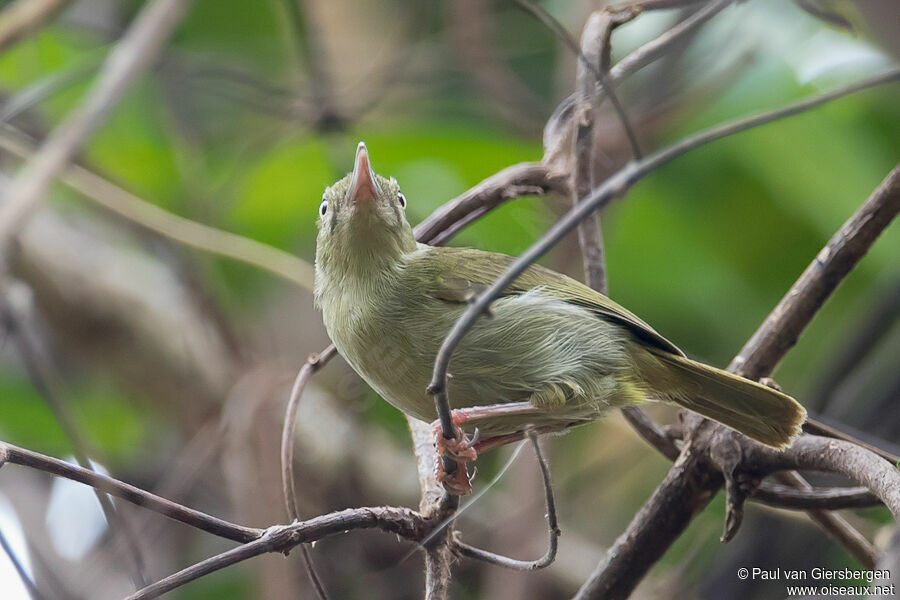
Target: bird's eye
<point>402,199</point>
<point>323,208</point>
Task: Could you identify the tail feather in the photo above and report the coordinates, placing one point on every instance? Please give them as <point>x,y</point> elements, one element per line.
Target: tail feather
<point>755,410</point>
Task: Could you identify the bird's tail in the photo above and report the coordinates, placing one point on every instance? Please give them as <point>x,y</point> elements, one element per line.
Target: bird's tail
<point>759,412</point>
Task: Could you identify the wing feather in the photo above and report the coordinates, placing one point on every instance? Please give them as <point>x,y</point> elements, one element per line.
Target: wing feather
<point>458,274</point>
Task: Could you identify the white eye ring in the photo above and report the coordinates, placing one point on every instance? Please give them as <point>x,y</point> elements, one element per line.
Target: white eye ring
<point>323,208</point>
<point>402,200</point>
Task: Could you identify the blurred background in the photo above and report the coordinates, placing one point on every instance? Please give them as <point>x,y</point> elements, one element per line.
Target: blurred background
<point>174,365</point>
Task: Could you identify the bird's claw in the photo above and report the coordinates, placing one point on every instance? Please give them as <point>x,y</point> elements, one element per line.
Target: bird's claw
<point>461,450</point>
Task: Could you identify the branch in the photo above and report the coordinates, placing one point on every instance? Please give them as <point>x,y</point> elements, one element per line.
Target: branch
<point>280,538</point>
<point>635,61</point>
<point>312,365</point>
<point>523,179</point>
<point>599,73</point>
<point>617,184</point>
<point>837,456</point>
<point>661,44</point>
<point>770,494</point>
<point>135,52</point>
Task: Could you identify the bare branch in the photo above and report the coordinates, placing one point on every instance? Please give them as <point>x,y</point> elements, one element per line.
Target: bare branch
<point>652,433</point>
<point>599,73</point>
<point>661,44</point>
<point>438,558</point>
<point>835,525</point>
<point>817,427</point>
<point>529,179</point>
<point>313,364</point>
<point>837,456</point>
<point>137,49</point>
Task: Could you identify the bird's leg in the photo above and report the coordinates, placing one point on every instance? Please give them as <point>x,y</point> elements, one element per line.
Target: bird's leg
<point>462,449</point>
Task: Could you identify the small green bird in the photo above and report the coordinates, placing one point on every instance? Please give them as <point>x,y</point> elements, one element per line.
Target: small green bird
<point>553,354</point>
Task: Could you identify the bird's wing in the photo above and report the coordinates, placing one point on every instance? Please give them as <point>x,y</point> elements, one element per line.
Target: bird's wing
<point>458,274</point>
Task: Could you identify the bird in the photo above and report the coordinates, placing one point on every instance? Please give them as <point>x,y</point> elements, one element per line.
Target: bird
<point>552,354</point>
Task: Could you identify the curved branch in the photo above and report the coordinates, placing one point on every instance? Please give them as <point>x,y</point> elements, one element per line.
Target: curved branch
<point>837,456</point>
<point>313,364</point>
<point>523,179</point>
<point>552,523</point>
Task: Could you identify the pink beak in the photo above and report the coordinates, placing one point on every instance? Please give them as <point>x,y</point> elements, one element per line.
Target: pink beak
<point>363,185</point>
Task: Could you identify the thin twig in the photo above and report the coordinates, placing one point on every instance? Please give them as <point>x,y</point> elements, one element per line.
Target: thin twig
<point>182,230</point>
<point>313,364</point>
<point>29,584</point>
<point>646,54</point>
<point>661,44</point>
<point>816,426</point>
<point>552,524</point>
<point>594,40</point>
<point>137,49</point>
<point>833,524</point>
<point>601,76</point>
<point>615,185</point>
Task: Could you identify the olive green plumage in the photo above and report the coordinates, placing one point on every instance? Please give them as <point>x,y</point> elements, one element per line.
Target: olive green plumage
<point>570,351</point>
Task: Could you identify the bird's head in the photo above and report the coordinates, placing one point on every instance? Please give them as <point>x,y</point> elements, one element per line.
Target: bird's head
<point>362,220</point>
